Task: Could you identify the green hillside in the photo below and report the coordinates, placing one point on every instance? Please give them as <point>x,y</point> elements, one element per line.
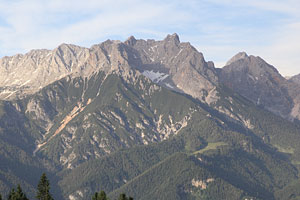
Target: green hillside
<point>121,134</point>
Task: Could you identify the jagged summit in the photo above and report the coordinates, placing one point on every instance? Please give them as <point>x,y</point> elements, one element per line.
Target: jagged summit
<point>260,82</point>
<point>173,38</point>
<point>180,66</point>
<point>254,65</point>
<point>240,55</point>
<point>168,62</point>
<point>130,41</point>
<point>26,74</point>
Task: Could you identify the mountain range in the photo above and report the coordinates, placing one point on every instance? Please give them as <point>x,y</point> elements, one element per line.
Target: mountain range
<point>150,118</point>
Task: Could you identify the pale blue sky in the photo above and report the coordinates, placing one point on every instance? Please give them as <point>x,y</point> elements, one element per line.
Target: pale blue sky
<point>217,28</point>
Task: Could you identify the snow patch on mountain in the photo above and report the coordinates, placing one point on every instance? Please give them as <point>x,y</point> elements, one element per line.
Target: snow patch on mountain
<point>156,77</point>
<point>170,86</point>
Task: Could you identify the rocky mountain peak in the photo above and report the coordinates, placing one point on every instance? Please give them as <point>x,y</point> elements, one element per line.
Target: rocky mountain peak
<point>295,79</point>
<point>174,38</point>
<point>130,41</point>
<point>260,82</point>
<point>178,66</point>
<point>251,65</point>
<point>26,74</point>
<point>239,56</point>
<point>67,48</point>
<point>170,63</point>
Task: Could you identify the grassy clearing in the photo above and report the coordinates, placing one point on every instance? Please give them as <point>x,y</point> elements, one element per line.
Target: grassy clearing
<point>295,162</point>
<point>284,150</point>
<point>210,146</point>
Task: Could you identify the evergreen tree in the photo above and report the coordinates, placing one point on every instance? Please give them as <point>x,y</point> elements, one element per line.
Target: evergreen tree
<point>95,196</point>
<point>123,197</point>
<point>0,197</point>
<point>99,196</point>
<point>16,194</point>
<point>19,194</point>
<point>12,195</point>
<point>43,189</point>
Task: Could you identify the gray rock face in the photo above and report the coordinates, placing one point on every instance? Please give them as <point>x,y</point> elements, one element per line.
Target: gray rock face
<point>261,83</point>
<point>26,74</point>
<point>169,63</point>
<point>295,79</point>
<point>239,56</point>
<point>176,65</point>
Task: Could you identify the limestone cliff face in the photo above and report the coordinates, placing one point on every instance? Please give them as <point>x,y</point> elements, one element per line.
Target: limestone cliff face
<point>261,83</point>
<point>26,74</point>
<point>176,65</point>
<point>169,62</point>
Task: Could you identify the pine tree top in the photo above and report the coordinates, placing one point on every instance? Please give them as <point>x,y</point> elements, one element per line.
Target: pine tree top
<point>43,188</point>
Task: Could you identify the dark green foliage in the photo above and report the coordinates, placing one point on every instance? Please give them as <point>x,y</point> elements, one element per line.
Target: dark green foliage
<point>0,197</point>
<point>120,166</point>
<point>12,194</point>
<point>253,162</point>
<point>17,194</point>
<point>43,188</point>
<point>272,129</point>
<point>99,196</point>
<point>290,192</point>
<point>20,195</point>
<point>172,178</point>
<point>124,197</point>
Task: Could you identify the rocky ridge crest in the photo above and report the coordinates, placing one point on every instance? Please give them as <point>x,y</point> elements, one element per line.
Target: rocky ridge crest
<point>260,82</point>
<point>178,66</point>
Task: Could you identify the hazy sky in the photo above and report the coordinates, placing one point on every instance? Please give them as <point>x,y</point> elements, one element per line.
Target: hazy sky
<point>218,28</point>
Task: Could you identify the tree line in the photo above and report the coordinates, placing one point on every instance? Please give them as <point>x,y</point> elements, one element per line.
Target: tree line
<point>43,192</point>
<point>102,196</point>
